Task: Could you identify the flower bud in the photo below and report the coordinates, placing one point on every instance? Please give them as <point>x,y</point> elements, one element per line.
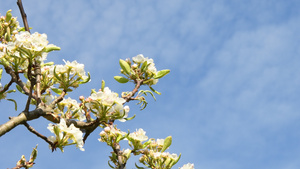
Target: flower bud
<point>81,98</point>
<point>15,32</point>
<point>134,66</point>
<point>107,129</point>
<point>102,133</point>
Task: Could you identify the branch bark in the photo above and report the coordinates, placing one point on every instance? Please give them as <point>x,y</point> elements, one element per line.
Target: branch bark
<point>24,16</point>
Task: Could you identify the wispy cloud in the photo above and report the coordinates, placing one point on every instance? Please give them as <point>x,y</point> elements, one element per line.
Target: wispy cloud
<point>232,97</point>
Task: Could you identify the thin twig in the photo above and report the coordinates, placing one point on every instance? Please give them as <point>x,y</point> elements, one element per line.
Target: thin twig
<point>24,16</point>
<point>6,87</point>
<point>37,72</point>
<point>32,130</point>
<point>137,86</point>
<point>116,148</point>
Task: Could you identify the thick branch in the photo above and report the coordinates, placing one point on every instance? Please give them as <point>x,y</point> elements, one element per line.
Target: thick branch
<point>46,113</point>
<point>20,119</point>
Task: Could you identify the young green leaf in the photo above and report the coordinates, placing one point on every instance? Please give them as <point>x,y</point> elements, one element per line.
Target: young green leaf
<point>102,86</point>
<point>51,48</point>
<point>125,66</point>
<point>121,79</point>
<point>33,154</point>
<point>167,143</point>
<point>86,80</point>
<point>129,118</point>
<point>161,73</point>
<point>57,91</point>
<point>155,91</point>
<point>8,16</point>
<point>16,106</point>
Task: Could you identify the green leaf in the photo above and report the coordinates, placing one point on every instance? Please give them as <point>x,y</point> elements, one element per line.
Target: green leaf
<point>22,29</point>
<point>177,159</point>
<point>56,75</point>
<point>33,154</point>
<point>129,118</point>
<point>139,167</point>
<point>51,48</point>
<point>144,66</point>
<point>56,132</point>
<point>125,66</point>
<point>7,34</point>
<point>167,143</point>
<point>11,91</point>
<point>16,107</point>
<point>102,86</point>
<point>110,165</point>
<point>48,64</point>
<point>8,16</point>
<point>121,79</point>
<point>57,91</point>
<point>161,73</point>
<point>1,70</point>
<point>147,143</point>
<point>86,80</point>
<point>155,91</point>
<point>20,89</point>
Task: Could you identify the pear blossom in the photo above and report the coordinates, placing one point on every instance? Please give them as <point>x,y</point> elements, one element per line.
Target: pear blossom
<point>139,135</point>
<point>73,105</point>
<point>107,97</point>
<point>110,133</point>
<point>72,132</point>
<point>76,68</point>
<point>47,99</point>
<point>139,58</point>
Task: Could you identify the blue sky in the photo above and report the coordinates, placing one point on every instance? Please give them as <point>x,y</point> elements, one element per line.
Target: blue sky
<point>231,100</point>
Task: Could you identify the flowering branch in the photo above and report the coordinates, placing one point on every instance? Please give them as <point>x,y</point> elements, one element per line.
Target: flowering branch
<point>47,85</point>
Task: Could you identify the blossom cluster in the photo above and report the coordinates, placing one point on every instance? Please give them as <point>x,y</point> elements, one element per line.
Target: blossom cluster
<point>64,133</point>
<point>139,135</point>
<point>8,27</point>
<point>140,59</point>
<point>25,48</point>
<point>69,75</point>
<point>111,135</point>
<point>156,159</point>
<point>106,104</point>
<point>73,109</point>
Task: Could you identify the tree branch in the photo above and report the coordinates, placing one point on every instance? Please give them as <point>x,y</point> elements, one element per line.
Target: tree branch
<point>137,86</point>
<point>24,16</point>
<point>20,119</point>
<point>32,130</point>
<point>116,148</point>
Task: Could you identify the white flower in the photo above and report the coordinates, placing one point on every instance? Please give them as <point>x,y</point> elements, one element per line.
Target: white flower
<point>47,99</point>
<point>76,68</point>
<point>139,135</point>
<point>159,142</point>
<point>73,105</point>
<point>107,97</point>
<point>187,166</point>
<point>139,58</point>
<point>73,132</point>
<point>35,41</point>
